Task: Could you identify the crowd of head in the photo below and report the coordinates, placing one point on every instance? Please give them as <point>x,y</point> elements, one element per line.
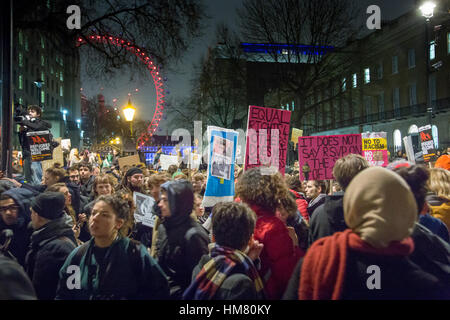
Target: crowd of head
<point>281,238</point>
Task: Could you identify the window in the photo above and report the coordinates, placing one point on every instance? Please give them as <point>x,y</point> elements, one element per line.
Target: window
<point>355,80</point>
<point>448,43</point>
<point>42,96</point>
<point>434,132</point>
<point>42,76</point>
<point>397,140</point>
<point>61,78</point>
<point>412,94</point>
<point>394,64</point>
<point>51,70</point>
<point>411,58</point>
<point>20,100</point>
<point>20,38</point>
<point>344,84</point>
<point>368,107</point>
<point>432,50</point>
<point>396,101</point>
<point>42,42</point>
<point>381,105</point>
<point>293,106</point>
<point>380,70</point>
<point>26,44</point>
<point>366,75</point>
<point>20,59</point>
<point>42,60</point>
<point>413,129</point>
<point>20,82</point>
<point>61,91</point>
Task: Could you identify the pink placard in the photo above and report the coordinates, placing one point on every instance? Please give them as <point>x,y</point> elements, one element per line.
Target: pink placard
<point>259,149</point>
<point>321,152</point>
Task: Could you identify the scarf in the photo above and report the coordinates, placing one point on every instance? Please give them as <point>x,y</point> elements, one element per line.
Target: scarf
<point>216,270</point>
<point>323,268</point>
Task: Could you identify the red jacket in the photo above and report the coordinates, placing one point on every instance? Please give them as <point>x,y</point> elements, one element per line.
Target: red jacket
<point>279,256</point>
<point>302,204</point>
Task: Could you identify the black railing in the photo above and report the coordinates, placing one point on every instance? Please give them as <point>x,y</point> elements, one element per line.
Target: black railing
<point>416,110</point>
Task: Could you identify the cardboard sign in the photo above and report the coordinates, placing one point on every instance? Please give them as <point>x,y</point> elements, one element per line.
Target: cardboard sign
<point>267,137</point>
<point>166,161</point>
<point>296,133</point>
<point>318,154</point>
<point>40,145</point>
<point>374,146</point>
<point>427,143</point>
<point>65,144</point>
<point>129,161</point>
<point>221,164</point>
<point>58,157</point>
<point>143,212</point>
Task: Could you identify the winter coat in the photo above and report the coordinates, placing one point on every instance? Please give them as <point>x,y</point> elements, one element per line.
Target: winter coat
<point>435,225</point>
<point>237,286</point>
<point>86,188</point>
<point>127,273</point>
<point>279,256</point>
<point>50,246</point>
<point>22,230</point>
<point>440,208</point>
<point>400,279</point>
<point>14,282</point>
<point>302,204</point>
<point>315,203</point>
<point>328,218</point>
<point>181,240</point>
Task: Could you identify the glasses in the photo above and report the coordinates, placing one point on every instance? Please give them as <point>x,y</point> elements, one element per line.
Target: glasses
<point>12,208</point>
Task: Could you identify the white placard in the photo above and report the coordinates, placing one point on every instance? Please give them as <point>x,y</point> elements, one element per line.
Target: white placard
<point>143,212</point>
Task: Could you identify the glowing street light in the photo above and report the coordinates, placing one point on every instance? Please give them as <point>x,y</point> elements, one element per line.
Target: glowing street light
<point>129,110</point>
<point>427,9</point>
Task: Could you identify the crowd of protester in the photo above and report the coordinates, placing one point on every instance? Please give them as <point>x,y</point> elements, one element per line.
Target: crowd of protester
<point>74,236</point>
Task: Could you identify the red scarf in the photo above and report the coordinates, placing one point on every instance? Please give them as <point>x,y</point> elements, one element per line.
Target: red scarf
<point>323,269</point>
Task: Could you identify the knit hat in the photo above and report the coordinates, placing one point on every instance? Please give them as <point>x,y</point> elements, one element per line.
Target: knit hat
<point>133,171</point>
<point>443,162</point>
<point>49,205</point>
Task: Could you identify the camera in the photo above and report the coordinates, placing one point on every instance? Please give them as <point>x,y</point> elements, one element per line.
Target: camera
<point>20,113</point>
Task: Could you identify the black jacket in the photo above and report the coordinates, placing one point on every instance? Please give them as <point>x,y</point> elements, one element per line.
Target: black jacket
<point>36,125</point>
<point>22,230</point>
<point>50,246</point>
<point>14,282</point>
<point>315,203</point>
<point>400,279</point>
<point>237,286</point>
<point>181,240</point>
<point>86,188</point>
<point>328,218</point>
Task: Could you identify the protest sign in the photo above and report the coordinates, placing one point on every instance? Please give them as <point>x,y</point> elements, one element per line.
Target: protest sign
<point>66,144</point>
<point>267,137</point>
<point>296,133</point>
<point>40,145</point>
<point>221,162</point>
<point>195,160</point>
<point>374,147</point>
<point>129,161</point>
<point>318,154</point>
<point>427,143</point>
<point>143,212</point>
<point>166,161</point>
<point>58,157</point>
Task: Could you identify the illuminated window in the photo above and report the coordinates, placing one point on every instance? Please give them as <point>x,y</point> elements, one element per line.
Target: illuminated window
<point>432,50</point>
<point>61,91</point>
<point>42,96</point>
<point>20,59</point>
<point>355,80</point>
<point>61,78</point>
<point>397,140</point>
<point>434,132</point>
<point>366,75</point>
<point>413,129</point>
<point>42,60</point>
<point>20,82</point>
<point>344,84</point>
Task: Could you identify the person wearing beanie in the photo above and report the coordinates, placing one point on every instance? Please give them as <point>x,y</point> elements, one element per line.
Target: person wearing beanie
<point>370,260</point>
<point>181,240</point>
<point>51,243</point>
<point>133,181</point>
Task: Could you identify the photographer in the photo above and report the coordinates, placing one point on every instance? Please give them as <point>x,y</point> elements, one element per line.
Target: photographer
<point>30,121</point>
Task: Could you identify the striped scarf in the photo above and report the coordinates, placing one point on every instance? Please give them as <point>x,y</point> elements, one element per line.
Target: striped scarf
<point>216,270</point>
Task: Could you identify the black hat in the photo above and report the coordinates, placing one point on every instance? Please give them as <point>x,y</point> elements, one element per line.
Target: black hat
<point>49,205</point>
<point>133,171</point>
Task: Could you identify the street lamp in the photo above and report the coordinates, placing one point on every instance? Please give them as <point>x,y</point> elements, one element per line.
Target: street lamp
<point>129,111</point>
<point>427,10</point>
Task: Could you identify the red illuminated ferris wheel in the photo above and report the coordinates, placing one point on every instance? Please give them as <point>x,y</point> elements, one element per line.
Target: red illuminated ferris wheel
<point>152,68</point>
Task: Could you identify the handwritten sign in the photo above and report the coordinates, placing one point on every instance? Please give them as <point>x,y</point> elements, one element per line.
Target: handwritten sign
<point>40,145</point>
<point>129,161</point>
<point>427,143</point>
<point>166,161</point>
<point>374,146</point>
<point>267,137</point>
<point>296,133</point>
<point>317,155</point>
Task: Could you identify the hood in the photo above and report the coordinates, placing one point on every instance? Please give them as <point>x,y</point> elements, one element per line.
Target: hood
<point>380,207</point>
<point>23,198</point>
<point>53,229</point>
<point>181,200</point>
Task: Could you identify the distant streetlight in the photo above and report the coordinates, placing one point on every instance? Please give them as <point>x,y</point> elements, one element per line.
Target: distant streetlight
<point>129,110</point>
<point>64,112</point>
<point>427,10</point>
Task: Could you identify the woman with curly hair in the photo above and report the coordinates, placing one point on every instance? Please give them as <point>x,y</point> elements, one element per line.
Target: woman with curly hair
<point>263,193</point>
<point>439,199</point>
<point>111,266</point>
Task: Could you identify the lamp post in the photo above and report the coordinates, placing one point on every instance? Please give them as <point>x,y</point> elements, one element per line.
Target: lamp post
<point>427,10</point>
<point>39,84</point>
<point>129,110</point>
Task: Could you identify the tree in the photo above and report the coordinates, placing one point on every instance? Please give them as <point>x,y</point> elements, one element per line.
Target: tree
<point>218,95</point>
<point>163,28</point>
<point>308,27</point>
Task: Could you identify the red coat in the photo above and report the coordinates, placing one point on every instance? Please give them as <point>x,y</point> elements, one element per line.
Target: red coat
<point>279,256</point>
<point>302,204</point>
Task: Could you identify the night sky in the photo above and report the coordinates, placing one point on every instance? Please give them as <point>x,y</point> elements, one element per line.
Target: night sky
<point>178,83</point>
